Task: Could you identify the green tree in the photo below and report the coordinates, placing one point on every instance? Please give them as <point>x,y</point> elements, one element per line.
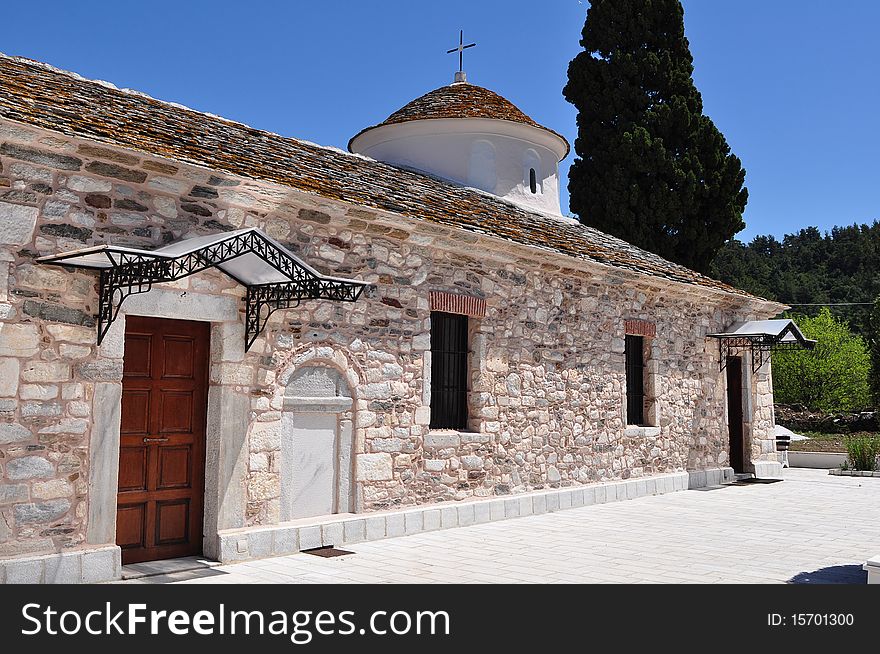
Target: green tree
<point>651,168</point>
<point>874,343</point>
<point>831,377</point>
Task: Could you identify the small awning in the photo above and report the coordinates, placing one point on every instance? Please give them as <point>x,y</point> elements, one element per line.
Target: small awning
<point>761,337</point>
<point>275,278</point>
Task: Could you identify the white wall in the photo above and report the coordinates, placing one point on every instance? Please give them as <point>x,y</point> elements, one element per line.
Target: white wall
<point>452,148</point>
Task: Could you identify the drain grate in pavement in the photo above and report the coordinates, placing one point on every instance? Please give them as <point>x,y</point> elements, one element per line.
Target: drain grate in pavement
<point>327,552</point>
<point>753,480</point>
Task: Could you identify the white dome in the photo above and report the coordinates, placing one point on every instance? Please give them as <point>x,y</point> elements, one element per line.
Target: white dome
<point>473,136</point>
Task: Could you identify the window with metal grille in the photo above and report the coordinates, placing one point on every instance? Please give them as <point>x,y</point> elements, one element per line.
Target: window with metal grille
<point>449,370</point>
<point>635,380</point>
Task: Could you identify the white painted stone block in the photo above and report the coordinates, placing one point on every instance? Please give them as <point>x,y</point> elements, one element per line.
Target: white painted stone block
<point>496,510</point>
<point>525,505</point>
<point>354,531</point>
<point>331,534</point>
<point>27,571</point>
<point>431,519</point>
<point>565,499</point>
<point>310,537</point>
<point>260,544</point>
<point>466,515</point>
<point>413,522</point>
<point>577,498</point>
<point>395,525</point>
<point>539,504</point>
<point>481,512</point>
<point>511,508</point>
<point>589,494</point>
<point>553,502</point>
<point>285,541</point>
<point>375,527</point>
<point>101,565</point>
<point>448,517</point>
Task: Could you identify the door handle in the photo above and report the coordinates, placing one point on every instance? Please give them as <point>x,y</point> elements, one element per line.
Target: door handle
<point>155,440</point>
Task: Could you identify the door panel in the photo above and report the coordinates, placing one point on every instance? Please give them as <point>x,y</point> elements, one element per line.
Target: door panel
<point>162,442</point>
<point>735,413</point>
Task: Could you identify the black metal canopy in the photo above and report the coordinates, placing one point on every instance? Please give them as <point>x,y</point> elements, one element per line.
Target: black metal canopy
<point>274,277</point>
<point>761,337</point>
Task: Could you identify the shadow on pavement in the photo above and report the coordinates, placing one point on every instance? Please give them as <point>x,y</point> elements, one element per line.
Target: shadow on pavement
<point>835,574</point>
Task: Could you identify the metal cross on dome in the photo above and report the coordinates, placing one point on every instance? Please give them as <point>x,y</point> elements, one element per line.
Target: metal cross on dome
<point>460,49</point>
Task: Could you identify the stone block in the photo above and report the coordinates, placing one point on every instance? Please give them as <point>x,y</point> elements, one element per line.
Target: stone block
<point>511,508</point>
<point>42,392</point>
<point>375,527</point>
<point>47,371</point>
<point>481,512</point>
<point>65,568</point>
<point>496,510</point>
<point>589,495</point>
<point>285,541</point>
<point>565,499</point>
<point>448,517</point>
<point>11,493</point>
<point>309,537</point>
<point>395,525</point>
<point>354,531</point>
<point>332,534</point>
<point>11,432</point>
<point>9,372</point>
<point>577,498</point>
<point>260,543</point>
<point>466,515</point>
<point>101,565</point>
<point>52,489</point>
<point>83,184</point>
<point>374,467</point>
<point>19,340</point>
<point>29,467</point>
<point>17,223</point>
<point>552,502</point>
<point>539,504</point>
<point>526,505</point>
<point>431,519</point>
<point>40,512</point>
<point>25,571</point>
<point>413,522</point>
<point>442,439</point>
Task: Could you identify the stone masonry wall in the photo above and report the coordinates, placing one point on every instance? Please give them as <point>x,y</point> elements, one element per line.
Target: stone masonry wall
<point>547,382</point>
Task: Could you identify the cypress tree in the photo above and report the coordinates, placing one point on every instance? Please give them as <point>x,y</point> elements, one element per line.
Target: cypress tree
<point>650,168</point>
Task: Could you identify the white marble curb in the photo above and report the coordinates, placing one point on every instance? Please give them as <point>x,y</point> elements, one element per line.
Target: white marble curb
<point>342,529</point>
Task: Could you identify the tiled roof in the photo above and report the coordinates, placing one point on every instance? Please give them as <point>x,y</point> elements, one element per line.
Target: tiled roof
<point>460,100</point>
<point>41,96</point>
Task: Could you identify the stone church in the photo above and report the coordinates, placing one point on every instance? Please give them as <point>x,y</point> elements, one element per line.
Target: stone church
<point>219,341</point>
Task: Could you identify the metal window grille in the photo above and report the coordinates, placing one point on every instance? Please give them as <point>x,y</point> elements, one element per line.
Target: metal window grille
<point>449,370</point>
<point>635,380</point>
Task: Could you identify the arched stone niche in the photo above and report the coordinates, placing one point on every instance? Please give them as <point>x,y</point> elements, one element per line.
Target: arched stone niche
<point>316,443</point>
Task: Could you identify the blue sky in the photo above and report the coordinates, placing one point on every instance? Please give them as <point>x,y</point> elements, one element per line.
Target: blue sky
<point>793,84</point>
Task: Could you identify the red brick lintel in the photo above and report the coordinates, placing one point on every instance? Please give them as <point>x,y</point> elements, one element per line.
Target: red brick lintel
<point>640,328</point>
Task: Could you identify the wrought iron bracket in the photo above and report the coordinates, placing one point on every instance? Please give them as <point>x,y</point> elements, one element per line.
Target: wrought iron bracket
<point>134,272</point>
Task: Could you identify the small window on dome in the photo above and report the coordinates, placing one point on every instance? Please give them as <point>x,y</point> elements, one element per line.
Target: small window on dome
<point>532,172</point>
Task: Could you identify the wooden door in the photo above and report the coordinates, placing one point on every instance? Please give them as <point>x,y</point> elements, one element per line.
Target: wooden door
<point>162,439</point>
<point>735,412</point>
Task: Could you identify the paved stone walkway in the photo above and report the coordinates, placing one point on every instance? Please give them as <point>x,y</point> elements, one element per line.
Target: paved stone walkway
<point>811,528</point>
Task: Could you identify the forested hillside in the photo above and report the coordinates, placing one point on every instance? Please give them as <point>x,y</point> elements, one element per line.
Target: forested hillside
<point>809,267</point>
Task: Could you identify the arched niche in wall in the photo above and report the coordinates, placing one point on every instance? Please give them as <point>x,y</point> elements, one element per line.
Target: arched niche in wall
<point>316,444</point>
<point>533,179</point>
<point>481,167</point>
